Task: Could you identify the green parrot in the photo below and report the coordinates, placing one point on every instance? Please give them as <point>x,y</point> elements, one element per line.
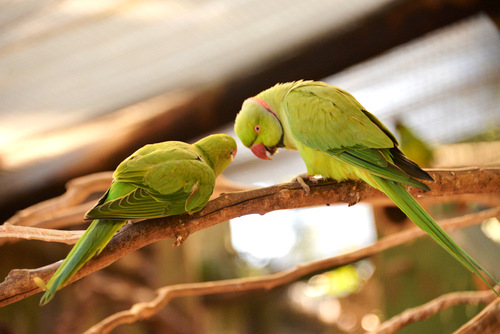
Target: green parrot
<point>414,147</point>
<point>338,139</point>
<point>158,180</point>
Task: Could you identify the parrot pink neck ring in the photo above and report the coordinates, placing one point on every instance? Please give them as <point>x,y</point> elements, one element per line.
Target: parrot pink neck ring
<point>264,104</point>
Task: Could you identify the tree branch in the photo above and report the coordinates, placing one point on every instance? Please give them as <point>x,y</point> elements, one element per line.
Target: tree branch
<point>433,307</point>
<point>8,231</point>
<point>69,207</point>
<point>19,283</point>
<point>485,322</point>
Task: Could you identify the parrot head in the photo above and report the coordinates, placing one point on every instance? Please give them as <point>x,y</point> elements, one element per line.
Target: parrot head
<point>259,128</point>
<point>219,150</point>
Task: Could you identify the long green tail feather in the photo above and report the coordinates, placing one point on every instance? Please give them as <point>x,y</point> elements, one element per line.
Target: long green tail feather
<point>95,238</point>
<point>400,196</point>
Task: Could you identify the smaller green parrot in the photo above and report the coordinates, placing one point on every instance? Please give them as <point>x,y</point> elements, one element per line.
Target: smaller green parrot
<point>339,139</point>
<point>158,180</point>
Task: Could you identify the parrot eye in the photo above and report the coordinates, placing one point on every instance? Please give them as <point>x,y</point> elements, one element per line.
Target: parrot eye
<point>257,128</point>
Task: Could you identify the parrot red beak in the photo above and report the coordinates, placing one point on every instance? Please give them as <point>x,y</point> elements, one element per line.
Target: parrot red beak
<point>233,154</point>
<point>263,152</point>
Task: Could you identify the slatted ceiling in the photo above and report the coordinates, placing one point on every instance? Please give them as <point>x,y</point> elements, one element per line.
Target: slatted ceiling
<point>81,59</point>
<point>67,62</point>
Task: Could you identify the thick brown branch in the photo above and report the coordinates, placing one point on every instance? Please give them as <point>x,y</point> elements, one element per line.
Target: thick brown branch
<point>19,283</point>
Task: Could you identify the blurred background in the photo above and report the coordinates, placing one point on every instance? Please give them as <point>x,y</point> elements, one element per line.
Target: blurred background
<point>83,84</point>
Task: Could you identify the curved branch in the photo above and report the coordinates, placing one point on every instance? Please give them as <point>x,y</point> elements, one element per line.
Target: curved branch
<point>68,207</point>
<point>19,283</point>
<point>487,321</point>
<point>425,311</point>
<point>8,231</point>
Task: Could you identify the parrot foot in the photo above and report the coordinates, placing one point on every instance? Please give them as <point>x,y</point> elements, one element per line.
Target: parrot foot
<point>302,178</point>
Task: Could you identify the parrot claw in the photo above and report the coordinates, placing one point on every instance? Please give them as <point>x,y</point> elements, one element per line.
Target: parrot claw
<point>302,178</point>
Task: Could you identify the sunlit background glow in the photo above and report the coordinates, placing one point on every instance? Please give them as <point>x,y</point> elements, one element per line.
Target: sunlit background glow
<point>327,231</point>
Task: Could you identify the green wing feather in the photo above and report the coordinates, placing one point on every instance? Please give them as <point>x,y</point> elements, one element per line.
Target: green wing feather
<point>164,191</point>
<point>390,171</point>
<point>339,121</point>
<point>163,180</point>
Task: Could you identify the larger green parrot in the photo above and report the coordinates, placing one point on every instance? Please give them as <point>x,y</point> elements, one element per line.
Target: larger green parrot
<point>338,139</point>
<point>158,180</point>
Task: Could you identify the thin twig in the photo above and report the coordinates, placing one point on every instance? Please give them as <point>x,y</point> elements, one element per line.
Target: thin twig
<point>8,231</point>
<point>433,307</point>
